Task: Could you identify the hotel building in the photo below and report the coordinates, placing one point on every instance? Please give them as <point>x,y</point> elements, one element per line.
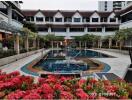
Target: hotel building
<point>111,5</point>
<point>73,23</point>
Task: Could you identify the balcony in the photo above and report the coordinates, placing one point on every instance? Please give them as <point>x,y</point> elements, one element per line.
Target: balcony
<point>76,33</point>
<point>16,23</point>
<point>3,17</point>
<point>127,24</point>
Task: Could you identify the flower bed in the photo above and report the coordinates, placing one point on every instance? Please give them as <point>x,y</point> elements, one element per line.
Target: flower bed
<point>16,86</point>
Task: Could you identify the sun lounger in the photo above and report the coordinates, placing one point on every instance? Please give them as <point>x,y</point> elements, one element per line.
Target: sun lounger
<point>107,76</point>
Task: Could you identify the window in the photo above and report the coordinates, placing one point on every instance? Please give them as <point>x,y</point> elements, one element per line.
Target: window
<point>27,18</point>
<point>112,20</point>
<point>76,29</point>
<point>49,19</point>
<point>39,19</point>
<point>42,29</point>
<point>58,19</point>
<point>111,29</point>
<point>58,29</point>
<point>103,19</point>
<point>32,18</point>
<point>77,19</point>
<point>67,19</point>
<point>95,29</point>
<point>95,19</point>
<point>86,19</point>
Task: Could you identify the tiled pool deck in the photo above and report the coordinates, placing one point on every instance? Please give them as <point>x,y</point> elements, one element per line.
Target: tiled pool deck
<point>118,64</point>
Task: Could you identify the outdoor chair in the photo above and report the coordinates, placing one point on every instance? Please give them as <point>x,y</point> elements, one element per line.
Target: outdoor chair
<point>107,76</point>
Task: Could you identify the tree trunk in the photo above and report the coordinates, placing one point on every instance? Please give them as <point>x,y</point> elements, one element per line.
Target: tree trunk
<point>34,43</point>
<point>93,44</point>
<point>80,44</point>
<point>110,42</point>
<point>121,44</point>
<point>16,44</point>
<point>26,44</point>
<point>116,43</point>
<point>98,43</point>
<point>85,45</point>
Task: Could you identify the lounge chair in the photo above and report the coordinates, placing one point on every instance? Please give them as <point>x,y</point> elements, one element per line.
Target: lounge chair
<point>107,76</point>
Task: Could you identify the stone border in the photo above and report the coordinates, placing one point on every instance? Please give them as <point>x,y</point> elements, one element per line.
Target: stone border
<point>11,59</point>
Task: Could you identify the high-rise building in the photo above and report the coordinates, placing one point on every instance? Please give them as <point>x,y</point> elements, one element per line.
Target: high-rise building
<point>111,5</point>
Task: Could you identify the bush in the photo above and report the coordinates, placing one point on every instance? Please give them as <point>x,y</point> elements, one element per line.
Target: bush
<point>23,50</point>
<point>15,86</point>
<point>7,53</point>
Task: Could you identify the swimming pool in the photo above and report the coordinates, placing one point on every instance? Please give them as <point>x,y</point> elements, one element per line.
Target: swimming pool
<point>64,61</point>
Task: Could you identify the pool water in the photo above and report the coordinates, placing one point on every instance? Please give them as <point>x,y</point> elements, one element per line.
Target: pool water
<point>51,66</point>
<point>55,62</point>
<point>80,53</point>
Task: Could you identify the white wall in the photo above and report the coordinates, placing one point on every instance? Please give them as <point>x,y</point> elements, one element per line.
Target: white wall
<point>59,15</point>
<point>94,15</point>
<point>76,15</point>
<point>39,14</point>
<point>127,24</point>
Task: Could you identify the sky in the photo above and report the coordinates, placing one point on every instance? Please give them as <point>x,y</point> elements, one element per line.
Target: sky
<point>60,4</point>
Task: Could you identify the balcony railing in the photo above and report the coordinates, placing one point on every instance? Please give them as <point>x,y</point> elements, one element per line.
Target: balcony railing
<point>3,17</point>
<point>16,23</point>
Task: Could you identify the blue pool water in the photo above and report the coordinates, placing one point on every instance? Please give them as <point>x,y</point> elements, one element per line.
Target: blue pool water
<point>56,61</point>
<point>51,66</point>
<point>80,53</point>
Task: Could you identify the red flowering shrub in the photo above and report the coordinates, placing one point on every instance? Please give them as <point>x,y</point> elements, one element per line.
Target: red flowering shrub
<point>15,86</point>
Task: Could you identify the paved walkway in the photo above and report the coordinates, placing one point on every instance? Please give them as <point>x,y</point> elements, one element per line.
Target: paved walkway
<point>18,64</point>
<point>118,64</point>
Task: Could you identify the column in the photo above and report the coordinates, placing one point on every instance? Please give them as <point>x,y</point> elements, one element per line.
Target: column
<point>9,11</point>
<point>16,44</point>
<point>67,30</point>
<point>26,43</point>
<point>86,30</point>
<point>49,30</point>
<point>103,30</point>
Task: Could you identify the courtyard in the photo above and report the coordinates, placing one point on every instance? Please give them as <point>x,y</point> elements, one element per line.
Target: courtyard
<point>66,54</point>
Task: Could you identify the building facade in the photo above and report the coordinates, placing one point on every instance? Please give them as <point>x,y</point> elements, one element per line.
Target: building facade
<point>11,19</point>
<point>111,5</point>
<point>72,23</point>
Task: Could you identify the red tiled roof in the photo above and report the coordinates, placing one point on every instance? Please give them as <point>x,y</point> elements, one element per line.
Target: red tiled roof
<point>51,13</point>
<point>29,12</point>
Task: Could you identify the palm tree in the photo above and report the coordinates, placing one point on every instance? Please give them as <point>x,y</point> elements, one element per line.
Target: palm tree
<point>28,34</point>
<point>109,38</point>
<point>121,36</point>
<point>51,38</point>
<point>79,38</point>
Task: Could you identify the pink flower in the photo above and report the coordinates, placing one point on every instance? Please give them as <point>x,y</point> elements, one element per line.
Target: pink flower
<point>65,95</point>
<point>48,96</point>
<point>58,87</point>
<point>81,94</point>
<point>32,96</point>
<point>81,82</point>
<point>46,88</point>
<point>16,95</point>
